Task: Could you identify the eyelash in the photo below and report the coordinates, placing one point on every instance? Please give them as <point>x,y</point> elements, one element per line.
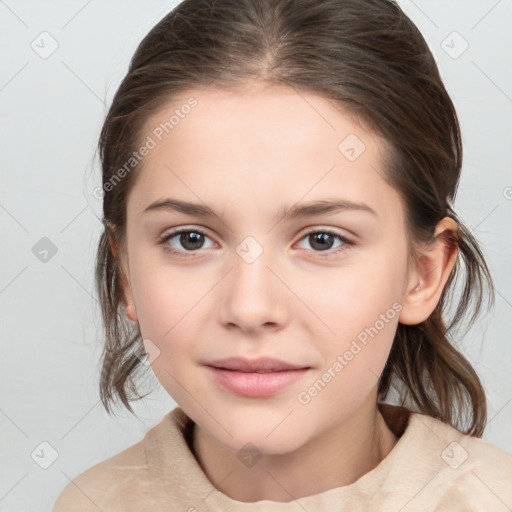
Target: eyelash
<point>347,243</point>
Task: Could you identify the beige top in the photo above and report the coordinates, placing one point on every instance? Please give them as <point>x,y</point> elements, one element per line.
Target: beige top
<point>433,467</point>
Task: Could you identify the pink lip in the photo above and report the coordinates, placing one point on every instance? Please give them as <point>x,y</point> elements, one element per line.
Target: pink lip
<point>261,364</point>
<point>242,378</point>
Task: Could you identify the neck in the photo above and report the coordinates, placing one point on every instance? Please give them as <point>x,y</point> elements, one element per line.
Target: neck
<point>336,458</point>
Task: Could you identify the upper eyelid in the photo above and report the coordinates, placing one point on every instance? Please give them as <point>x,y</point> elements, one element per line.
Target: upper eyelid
<point>307,229</point>
<point>184,229</point>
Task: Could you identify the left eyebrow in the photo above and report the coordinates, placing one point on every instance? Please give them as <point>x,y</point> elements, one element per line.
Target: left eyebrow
<point>322,207</point>
<point>296,211</point>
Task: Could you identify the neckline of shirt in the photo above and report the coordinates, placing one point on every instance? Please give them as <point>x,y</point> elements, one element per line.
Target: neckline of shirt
<point>175,470</point>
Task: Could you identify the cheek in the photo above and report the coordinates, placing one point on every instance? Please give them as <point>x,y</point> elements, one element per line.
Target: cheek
<point>353,358</point>
<point>168,302</point>
<point>163,294</point>
<point>355,296</point>
<point>360,305</point>
<point>168,307</point>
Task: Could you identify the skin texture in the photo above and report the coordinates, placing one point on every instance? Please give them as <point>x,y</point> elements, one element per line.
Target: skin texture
<point>247,154</point>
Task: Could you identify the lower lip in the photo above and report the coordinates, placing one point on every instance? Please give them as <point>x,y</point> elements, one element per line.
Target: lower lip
<point>255,385</point>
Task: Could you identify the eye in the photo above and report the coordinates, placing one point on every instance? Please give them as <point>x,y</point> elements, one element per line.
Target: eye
<point>190,240</point>
<point>323,240</point>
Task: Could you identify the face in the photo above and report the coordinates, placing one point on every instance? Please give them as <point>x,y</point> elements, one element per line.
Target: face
<point>320,289</point>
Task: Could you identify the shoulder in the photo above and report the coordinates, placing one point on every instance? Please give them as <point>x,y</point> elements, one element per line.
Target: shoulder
<point>99,486</point>
<point>486,462</point>
<point>485,451</point>
<point>466,470</point>
<point>481,475</point>
<point>472,453</point>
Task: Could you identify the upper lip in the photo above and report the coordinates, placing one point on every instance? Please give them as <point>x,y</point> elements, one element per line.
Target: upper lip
<point>263,364</point>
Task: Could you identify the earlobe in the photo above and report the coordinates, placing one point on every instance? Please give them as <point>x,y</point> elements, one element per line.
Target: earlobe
<point>413,310</point>
<point>435,264</point>
<point>131,313</point>
<point>129,305</point>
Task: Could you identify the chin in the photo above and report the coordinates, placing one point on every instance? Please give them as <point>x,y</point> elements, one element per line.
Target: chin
<point>268,437</point>
<point>258,443</point>
<point>270,428</point>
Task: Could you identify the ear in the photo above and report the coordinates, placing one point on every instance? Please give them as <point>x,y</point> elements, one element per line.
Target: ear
<point>426,283</point>
<point>123,272</point>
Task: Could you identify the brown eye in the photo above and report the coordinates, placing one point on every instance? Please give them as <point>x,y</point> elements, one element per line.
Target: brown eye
<point>184,240</point>
<point>324,240</point>
<point>191,240</point>
<point>321,241</point>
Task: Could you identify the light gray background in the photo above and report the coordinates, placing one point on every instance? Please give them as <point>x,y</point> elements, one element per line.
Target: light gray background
<point>51,111</point>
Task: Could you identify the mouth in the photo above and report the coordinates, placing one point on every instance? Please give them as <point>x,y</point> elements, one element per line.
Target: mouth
<point>261,365</point>
<point>255,371</point>
<point>255,379</point>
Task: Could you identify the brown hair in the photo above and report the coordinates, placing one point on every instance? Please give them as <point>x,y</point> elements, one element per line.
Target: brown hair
<point>371,60</point>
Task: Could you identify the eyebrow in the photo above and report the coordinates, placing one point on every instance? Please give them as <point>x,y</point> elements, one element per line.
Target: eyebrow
<point>288,213</point>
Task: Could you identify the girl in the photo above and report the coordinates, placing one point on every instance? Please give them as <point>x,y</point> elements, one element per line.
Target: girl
<point>280,242</point>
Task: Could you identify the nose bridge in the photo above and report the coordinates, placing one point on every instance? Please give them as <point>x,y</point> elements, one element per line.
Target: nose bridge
<point>252,291</point>
<point>251,278</point>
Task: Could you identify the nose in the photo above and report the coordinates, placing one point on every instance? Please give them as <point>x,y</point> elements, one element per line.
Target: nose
<point>252,297</point>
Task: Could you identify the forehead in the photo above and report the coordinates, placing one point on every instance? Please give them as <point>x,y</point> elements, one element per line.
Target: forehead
<point>273,143</point>
<point>259,112</point>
